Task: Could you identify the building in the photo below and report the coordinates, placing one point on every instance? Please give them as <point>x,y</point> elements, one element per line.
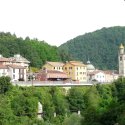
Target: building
<point>121,60</point>
<point>76,70</point>
<point>90,67</point>
<point>97,75</point>
<point>16,73</point>
<point>4,61</point>
<point>19,60</point>
<point>58,66</point>
<point>111,75</point>
<point>14,67</point>
<point>101,76</point>
<point>51,75</point>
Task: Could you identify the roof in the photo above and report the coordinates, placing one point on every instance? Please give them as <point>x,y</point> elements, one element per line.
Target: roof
<point>56,64</point>
<point>18,58</point>
<point>95,72</point>
<point>110,72</point>
<point>16,66</point>
<point>76,63</point>
<point>53,74</point>
<point>121,46</point>
<point>90,66</point>
<point>3,67</point>
<point>3,59</point>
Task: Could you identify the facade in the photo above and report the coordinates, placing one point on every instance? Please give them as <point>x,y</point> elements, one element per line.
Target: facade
<point>121,60</point>
<point>58,66</point>
<point>4,70</point>
<point>110,76</point>
<point>98,76</point>
<point>15,72</point>
<point>76,70</point>
<point>14,67</point>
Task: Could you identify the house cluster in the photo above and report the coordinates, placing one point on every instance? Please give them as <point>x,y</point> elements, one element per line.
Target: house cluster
<point>15,67</point>
<point>75,71</point>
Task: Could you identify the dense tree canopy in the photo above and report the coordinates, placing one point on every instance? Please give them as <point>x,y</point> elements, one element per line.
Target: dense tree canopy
<point>37,52</point>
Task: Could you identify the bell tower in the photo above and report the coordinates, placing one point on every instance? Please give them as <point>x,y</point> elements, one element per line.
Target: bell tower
<point>121,59</point>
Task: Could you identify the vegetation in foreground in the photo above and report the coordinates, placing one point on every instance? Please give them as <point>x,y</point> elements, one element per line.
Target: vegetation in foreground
<point>99,104</point>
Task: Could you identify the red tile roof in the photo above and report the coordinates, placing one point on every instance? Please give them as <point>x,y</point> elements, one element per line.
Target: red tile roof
<point>3,59</point>
<point>56,64</point>
<point>16,66</point>
<point>3,67</point>
<point>53,74</point>
<point>76,63</point>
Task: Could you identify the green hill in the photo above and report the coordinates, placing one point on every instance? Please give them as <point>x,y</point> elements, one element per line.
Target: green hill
<point>34,50</point>
<point>101,47</point>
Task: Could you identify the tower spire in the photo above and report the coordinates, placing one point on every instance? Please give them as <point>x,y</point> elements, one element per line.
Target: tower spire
<point>121,46</point>
<point>121,49</point>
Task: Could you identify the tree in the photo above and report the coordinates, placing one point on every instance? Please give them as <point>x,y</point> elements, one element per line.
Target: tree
<point>74,119</point>
<point>5,84</point>
<point>25,105</point>
<point>76,99</point>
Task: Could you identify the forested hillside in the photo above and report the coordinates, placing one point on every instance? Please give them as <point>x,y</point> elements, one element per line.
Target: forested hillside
<point>100,47</point>
<point>34,50</point>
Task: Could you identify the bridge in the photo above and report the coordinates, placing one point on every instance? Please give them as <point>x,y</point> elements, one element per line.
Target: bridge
<point>50,83</point>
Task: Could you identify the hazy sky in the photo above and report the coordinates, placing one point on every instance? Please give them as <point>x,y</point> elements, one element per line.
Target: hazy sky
<point>57,21</point>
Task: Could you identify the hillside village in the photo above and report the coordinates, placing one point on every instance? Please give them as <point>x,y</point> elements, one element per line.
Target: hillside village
<point>17,68</point>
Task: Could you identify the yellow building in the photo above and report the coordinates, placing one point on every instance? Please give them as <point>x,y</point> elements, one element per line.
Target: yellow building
<point>76,70</point>
<point>54,66</point>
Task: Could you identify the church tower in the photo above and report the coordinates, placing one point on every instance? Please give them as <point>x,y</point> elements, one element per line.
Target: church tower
<point>121,59</point>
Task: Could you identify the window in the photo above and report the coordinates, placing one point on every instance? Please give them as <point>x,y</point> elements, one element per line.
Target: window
<point>70,67</point>
<point>77,68</point>
<point>120,58</point>
<point>13,70</point>
<point>65,68</point>
<point>13,76</point>
<point>54,68</point>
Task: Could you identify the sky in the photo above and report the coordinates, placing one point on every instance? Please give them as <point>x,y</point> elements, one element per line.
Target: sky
<point>57,21</point>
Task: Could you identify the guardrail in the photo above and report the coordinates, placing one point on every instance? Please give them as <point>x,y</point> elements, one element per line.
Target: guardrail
<point>50,83</point>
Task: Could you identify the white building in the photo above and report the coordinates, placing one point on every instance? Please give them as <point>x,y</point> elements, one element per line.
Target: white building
<point>97,76</point>
<point>106,76</point>
<point>15,72</point>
